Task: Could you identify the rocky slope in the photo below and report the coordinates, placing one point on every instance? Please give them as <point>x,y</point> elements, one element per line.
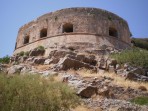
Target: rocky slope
<point>98,89</point>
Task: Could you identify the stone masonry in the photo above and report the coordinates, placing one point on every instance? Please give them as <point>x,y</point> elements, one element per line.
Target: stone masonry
<point>82,28</point>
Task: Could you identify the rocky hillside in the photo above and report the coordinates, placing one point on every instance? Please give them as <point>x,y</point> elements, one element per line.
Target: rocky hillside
<point>99,80</point>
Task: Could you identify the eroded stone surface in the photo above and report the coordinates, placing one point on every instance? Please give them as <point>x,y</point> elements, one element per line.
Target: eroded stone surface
<point>75,29</point>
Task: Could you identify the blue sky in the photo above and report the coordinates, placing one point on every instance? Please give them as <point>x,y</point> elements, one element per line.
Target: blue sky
<point>15,13</point>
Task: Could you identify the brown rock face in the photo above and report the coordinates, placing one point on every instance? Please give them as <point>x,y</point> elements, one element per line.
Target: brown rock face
<point>68,63</point>
<point>88,91</point>
<point>36,52</point>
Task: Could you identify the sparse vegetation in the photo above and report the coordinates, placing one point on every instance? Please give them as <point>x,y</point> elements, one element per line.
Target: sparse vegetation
<point>135,57</point>
<point>40,48</point>
<point>5,59</point>
<point>35,93</point>
<point>21,53</point>
<point>26,53</point>
<point>118,80</point>
<point>140,100</point>
<point>139,42</point>
<point>109,17</point>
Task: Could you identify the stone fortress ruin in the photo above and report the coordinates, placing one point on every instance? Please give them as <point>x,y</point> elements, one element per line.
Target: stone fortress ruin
<point>78,28</point>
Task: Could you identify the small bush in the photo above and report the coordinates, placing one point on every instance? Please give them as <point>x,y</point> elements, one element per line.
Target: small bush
<point>26,53</point>
<point>109,18</point>
<point>34,93</point>
<point>5,60</point>
<point>21,53</point>
<point>140,100</point>
<point>142,43</point>
<point>135,56</point>
<point>40,48</point>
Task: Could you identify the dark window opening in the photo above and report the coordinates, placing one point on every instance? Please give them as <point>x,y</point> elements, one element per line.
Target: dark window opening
<point>67,28</point>
<point>43,33</point>
<point>26,40</point>
<point>113,32</point>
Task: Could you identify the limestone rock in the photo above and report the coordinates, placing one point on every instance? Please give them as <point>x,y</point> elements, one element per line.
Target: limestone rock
<point>22,59</point>
<point>59,53</point>
<point>15,69</point>
<point>139,71</point>
<point>39,60</point>
<point>104,92</point>
<point>87,92</point>
<point>102,64</point>
<point>136,77</point>
<point>89,60</point>
<point>36,52</point>
<point>48,61</point>
<point>130,76</point>
<point>69,63</point>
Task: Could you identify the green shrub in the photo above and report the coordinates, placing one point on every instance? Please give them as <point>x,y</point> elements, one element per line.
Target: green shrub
<point>5,59</point>
<point>21,53</point>
<point>135,57</point>
<point>109,18</point>
<point>34,93</point>
<point>40,48</point>
<point>26,53</point>
<point>140,100</point>
<point>142,43</point>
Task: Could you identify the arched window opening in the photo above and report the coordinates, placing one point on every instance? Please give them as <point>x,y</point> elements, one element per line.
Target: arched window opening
<point>67,28</point>
<point>113,32</point>
<point>26,39</point>
<point>43,33</point>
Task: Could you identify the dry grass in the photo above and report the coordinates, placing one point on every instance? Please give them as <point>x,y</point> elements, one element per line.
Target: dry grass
<point>43,67</point>
<point>82,108</point>
<point>83,72</point>
<point>57,78</point>
<point>118,80</point>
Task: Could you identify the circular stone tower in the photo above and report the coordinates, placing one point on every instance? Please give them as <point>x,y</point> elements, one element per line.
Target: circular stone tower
<point>78,28</point>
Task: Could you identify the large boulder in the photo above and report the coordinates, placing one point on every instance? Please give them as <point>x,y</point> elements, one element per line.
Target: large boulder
<point>69,63</point>
<point>60,53</point>
<point>86,59</point>
<point>102,63</point>
<point>136,77</point>
<point>139,71</point>
<point>48,61</point>
<point>104,92</point>
<point>87,92</point>
<point>56,55</point>
<point>22,59</point>
<point>39,60</point>
<point>111,63</point>
<point>15,69</point>
<point>36,52</point>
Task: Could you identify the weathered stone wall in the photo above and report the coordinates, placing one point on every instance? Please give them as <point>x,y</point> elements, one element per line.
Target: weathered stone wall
<point>90,25</point>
